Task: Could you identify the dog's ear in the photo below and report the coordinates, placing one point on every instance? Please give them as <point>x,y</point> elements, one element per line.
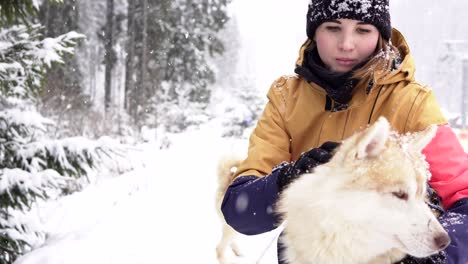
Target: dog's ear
<point>421,139</point>
<point>372,142</point>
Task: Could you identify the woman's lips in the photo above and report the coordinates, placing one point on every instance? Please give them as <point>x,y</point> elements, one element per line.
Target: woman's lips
<point>345,62</point>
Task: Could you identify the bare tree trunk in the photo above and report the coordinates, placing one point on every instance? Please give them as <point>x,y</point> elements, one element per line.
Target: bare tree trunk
<point>92,72</point>
<point>144,59</point>
<point>130,58</point>
<point>109,54</point>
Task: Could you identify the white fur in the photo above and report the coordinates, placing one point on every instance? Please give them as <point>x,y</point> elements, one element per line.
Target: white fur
<point>348,210</point>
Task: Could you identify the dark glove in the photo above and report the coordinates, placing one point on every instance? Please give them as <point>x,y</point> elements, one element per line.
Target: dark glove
<point>288,172</point>
<point>438,258</point>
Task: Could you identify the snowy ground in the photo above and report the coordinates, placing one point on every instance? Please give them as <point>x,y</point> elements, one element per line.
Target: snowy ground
<point>162,212</point>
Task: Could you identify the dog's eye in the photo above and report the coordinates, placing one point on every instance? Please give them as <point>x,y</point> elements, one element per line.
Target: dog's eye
<point>400,195</point>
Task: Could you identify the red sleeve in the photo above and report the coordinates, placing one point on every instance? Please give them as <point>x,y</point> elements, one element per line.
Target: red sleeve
<point>448,165</point>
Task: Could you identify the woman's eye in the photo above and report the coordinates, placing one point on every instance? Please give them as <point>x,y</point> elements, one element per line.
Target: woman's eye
<point>333,28</point>
<point>401,195</point>
<point>363,30</point>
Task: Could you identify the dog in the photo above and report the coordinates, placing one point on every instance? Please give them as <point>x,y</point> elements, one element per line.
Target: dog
<point>227,166</point>
<point>366,205</point>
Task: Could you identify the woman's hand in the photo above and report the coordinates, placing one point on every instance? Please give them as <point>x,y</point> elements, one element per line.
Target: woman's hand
<point>288,172</point>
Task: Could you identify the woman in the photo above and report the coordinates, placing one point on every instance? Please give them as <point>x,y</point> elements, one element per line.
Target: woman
<point>352,69</point>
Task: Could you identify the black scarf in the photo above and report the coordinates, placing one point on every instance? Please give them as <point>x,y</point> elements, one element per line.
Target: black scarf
<point>339,86</point>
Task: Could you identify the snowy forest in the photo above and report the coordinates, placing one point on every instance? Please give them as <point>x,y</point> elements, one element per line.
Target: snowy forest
<point>154,72</point>
<point>109,106</point>
<point>74,74</point>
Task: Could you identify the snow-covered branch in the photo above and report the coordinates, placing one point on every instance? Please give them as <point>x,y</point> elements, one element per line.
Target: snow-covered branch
<point>25,58</point>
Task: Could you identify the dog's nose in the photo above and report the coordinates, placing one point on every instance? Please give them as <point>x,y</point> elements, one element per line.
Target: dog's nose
<point>442,241</point>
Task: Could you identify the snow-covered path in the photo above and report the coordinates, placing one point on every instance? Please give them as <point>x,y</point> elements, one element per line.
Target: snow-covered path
<point>161,213</point>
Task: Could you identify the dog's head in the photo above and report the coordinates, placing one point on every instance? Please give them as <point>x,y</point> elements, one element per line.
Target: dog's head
<point>385,181</point>
<point>374,188</point>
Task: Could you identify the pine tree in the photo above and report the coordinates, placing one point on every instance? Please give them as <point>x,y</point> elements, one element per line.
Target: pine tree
<point>194,27</point>
<point>26,56</point>
<point>181,36</point>
<point>109,53</point>
<point>63,97</point>
<point>32,166</point>
<point>16,11</point>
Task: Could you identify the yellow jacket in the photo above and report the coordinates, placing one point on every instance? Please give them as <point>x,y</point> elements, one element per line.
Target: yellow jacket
<point>295,120</point>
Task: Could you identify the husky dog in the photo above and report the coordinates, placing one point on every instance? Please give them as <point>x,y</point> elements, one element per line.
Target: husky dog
<point>227,166</point>
<point>364,206</point>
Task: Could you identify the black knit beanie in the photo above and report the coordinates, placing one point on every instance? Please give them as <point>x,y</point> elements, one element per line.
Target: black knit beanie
<point>375,12</point>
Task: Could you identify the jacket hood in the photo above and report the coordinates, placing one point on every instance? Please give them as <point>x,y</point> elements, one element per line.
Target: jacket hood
<point>403,72</point>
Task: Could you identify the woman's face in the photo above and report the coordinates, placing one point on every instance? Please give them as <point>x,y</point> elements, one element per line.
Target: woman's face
<point>344,43</point>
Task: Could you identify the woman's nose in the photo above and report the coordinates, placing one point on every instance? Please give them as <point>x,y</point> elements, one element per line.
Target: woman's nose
<point>346,42</point>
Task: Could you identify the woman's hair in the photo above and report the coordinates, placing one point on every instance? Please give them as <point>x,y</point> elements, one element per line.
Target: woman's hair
<point>382,60</point>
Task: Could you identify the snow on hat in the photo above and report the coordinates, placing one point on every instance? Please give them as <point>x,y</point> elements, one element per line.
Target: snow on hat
<point>375,12</point>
